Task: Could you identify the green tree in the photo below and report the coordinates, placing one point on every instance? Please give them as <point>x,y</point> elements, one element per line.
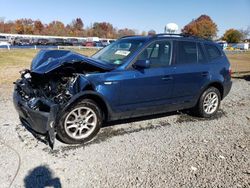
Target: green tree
<point>203,27</point>
<point>232,36</point>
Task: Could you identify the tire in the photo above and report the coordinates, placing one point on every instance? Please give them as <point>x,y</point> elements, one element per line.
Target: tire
<point>75,128</point>
<point>209,103</point>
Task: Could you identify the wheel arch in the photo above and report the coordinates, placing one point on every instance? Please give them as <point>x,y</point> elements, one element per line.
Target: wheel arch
<point>218,86</point>
<point>106,109</point>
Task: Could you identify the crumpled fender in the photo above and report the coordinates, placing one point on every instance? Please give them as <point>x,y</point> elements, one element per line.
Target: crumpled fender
<point>80,82</point>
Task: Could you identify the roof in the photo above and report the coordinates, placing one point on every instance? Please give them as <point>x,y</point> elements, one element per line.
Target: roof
<point>166,35</point>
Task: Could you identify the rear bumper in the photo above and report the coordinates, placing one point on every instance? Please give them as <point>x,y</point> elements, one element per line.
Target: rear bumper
<point>40,122</point>
<point>227,88</point>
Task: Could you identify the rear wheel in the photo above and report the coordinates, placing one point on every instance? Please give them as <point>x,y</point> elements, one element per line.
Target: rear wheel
<point>208,103</point>
<point>80,123</point>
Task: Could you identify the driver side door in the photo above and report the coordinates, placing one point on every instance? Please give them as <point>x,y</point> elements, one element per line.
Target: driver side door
<point>143,88</point>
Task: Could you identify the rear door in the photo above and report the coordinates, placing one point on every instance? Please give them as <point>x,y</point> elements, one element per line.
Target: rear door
<point>191,73</point>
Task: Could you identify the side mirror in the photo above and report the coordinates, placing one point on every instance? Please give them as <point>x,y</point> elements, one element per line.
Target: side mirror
<point>142,64</point>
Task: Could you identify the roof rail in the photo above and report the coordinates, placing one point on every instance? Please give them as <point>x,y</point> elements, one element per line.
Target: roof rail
<point>169,35</point>
<point>130,36</point>
<point>179,35</point>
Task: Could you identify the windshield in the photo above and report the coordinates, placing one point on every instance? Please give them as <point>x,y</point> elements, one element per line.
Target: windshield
<point>117,52</point>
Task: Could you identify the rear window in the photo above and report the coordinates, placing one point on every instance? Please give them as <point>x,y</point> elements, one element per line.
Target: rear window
<point>187,52</point>
<point>201,54</point>
<point>212,51</point>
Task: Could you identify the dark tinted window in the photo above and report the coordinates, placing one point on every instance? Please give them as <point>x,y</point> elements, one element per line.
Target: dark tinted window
<point>212,51</point>
<point>159,54</point>
<point>201,54</point>
<point>187,52</point>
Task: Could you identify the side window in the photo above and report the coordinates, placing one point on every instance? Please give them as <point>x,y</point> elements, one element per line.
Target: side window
<point>212,51</point>
<point>201,54</point>
<point>159,54</point>
<point>187,52</point>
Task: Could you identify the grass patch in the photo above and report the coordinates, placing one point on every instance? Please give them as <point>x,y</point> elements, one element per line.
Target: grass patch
<point>240,62</point>
<point>11,62</point>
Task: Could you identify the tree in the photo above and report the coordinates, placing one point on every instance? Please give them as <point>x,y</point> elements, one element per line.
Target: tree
<point>232,36</point>
<point>24,26</point>
<point>38,27</point>
<point>245,33</point>
<point>103,29</point>
<point>143,33</point>
<point>203,27</point>
<point>125,32</point>
<point>19,27</point>
<point>151,32</point>
<point>77,24</point>
<point>56,28</point>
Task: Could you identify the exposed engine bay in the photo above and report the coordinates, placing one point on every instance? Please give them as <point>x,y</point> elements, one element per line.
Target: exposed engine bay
<point>44,90</point>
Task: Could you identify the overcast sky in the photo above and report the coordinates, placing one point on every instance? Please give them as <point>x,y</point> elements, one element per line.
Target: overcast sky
<point>142,15</point>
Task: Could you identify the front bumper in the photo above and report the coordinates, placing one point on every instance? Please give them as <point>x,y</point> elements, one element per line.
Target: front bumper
<point>38,120</point>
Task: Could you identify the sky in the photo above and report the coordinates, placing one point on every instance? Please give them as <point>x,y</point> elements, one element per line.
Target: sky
<point>142,15</point>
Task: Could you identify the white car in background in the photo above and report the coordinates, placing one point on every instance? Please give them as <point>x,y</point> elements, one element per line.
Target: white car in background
<point>4,41</point>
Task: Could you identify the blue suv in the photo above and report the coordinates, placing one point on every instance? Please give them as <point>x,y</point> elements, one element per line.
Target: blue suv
<point>71,95</point>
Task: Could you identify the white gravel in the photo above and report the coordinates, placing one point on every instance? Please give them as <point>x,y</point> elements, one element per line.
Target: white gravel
<point>175,150</point>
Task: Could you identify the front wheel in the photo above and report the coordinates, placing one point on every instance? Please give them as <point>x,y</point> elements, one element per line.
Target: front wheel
<point>80,123</point>
<point>208,103</point>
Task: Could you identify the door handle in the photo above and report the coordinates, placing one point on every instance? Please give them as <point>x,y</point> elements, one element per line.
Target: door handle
<point>204,74</point>
<point>167,77</point>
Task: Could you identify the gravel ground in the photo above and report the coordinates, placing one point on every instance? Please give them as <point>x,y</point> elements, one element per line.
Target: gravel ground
<point>174,150</point>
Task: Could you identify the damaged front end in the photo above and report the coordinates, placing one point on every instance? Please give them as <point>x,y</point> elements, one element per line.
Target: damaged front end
<point>43,92</point>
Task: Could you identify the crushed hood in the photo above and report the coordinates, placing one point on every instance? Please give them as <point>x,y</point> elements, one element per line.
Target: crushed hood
<point>49,60</point>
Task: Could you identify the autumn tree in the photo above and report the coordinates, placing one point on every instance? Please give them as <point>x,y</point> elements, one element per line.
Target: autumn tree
<point>103,29</point>
<point>75,28</point>
<point>203,27</point>
<point>24,26</point>
<point>151,32</point>
<point>19,27</point>
<point>232,36</point>
<point>56,28</point>
<point>38,27</point>
<point>77,24</point>
<point>125,32</point>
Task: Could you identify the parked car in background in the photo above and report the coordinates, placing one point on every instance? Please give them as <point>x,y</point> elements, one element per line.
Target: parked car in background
<point>106,42</point>
<point>72,95</point>
<point>98,44</point>
<point>42,42</point>
<point>89,43</point>
<point>223,44</point>
<point>22,41</point>
<point>93,44</point>
<point>74,42</point>
<point>4,41</point>
<point>59,42</point>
